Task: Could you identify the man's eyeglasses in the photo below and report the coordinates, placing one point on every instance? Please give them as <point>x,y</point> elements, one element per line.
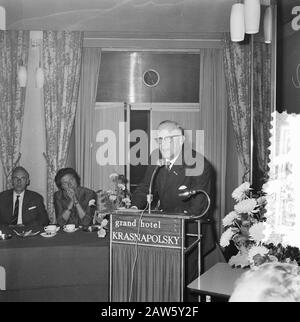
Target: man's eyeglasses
<point>166,139</point>
<point>19,178</point>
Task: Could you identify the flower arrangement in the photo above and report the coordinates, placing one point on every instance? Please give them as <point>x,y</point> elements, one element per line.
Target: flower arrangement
<point>250,229</point>
<point>118,196</point>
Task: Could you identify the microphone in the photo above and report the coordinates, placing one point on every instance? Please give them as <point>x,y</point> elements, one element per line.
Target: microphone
<point>150,195</point>
<point>189,193</point>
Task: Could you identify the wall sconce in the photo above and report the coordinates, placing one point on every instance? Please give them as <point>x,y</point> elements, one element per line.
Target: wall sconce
<point>2,18</point>
<point>39,77</point>
<point>36,42</point>
<point>22,75</point>
<point>237,22</point>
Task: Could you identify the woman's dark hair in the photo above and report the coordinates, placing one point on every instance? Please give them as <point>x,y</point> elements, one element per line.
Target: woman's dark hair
<point>62,172</point>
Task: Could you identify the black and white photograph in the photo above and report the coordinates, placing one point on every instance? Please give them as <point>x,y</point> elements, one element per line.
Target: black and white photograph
<point>149,154</point>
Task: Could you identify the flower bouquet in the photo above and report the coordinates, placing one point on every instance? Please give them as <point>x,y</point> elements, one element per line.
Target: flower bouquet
<point>251,231</point>
<point>118,197</point>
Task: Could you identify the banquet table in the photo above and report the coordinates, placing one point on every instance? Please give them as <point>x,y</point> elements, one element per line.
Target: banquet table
<point>218,281</point>
<point>69,267</point>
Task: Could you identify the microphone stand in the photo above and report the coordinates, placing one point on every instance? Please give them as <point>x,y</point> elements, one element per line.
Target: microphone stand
<point>150,195</point>
<point>197,217</point>
<point>190,193</point>
<point>207,207</point>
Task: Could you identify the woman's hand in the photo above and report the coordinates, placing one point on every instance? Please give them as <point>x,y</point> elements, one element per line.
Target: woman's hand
<point>71,194</point>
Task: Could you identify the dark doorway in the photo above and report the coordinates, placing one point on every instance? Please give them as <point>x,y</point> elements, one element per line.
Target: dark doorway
<point>139,120</point>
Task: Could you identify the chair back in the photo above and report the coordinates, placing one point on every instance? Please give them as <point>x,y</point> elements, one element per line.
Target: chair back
<point>2,279</point>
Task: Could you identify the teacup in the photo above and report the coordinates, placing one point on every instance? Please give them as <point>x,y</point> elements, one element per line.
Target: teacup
<point>69,227</point>
<point>50,229</point>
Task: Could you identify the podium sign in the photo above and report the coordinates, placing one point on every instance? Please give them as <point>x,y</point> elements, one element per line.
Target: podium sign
<point>148,231</point>
<point>146,257</point>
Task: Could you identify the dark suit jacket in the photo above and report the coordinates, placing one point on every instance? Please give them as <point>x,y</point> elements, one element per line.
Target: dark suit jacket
<point>84,196</point>
<point>33,209</point>
<point>199,175</point>
<point>165,189</point>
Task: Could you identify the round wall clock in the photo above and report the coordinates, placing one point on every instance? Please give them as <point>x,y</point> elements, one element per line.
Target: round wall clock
<point>151,77</point>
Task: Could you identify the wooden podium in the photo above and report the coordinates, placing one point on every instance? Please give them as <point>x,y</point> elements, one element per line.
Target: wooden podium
<point>147,254</point>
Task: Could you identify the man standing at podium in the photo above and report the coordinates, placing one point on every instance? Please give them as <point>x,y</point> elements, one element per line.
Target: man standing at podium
<point>184,170</point>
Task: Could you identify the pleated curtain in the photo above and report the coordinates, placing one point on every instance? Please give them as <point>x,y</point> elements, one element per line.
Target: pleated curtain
<point>85,115</point>
<point>213,121</point>
<point>237,74</point>
<point>62,64</point>
<point>14,48</point>
<point>144,274</point>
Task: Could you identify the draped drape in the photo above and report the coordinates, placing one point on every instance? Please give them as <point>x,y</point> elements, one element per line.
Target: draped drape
<point>237,76</point>
<point>62,64</point>
<point>262,104</point>
<point>156,276</point>
<point>108,130</point>
<point>213,121</point>
<point>14,48</point>
<point>85,114</point>
<point>237,72</point>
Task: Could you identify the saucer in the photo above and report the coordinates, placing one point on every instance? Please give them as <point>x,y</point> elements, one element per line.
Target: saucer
<point>70,231</point>
<point>91,228</point>
<point>47,234</point>
<point>128,210</point>
<point>5,236</point>
<point>28,233</point>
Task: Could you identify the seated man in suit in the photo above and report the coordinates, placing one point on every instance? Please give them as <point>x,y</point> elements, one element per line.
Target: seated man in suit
<point>187,170</point>
<point>22,206</point>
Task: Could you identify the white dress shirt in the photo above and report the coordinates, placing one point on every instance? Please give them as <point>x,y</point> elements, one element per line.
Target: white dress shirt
<point>171,162</point>
<point>19,222</point>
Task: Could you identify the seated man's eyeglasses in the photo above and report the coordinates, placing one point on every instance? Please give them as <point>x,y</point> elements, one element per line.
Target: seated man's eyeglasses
<point>19,178</point>
<point>166,139</point>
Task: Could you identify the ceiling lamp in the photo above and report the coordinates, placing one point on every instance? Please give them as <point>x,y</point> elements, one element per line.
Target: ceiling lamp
<point>268,25</point>
<point>237,22</point>
<point>22,76</point>
<point>2,18</point>
<point>252,16</point>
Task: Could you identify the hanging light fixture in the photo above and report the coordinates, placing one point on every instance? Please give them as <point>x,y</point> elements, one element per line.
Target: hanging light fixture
<point>2,18</point>
<point>22,75</point>
<point>268,25</point>
<point>252,16</point>
<point>36,37</point>
<point>36,42</point>
<point>39,77</point>
<point>237,22</point>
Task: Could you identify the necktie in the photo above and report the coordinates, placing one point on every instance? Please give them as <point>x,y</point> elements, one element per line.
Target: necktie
<point>168,165</point>
<point>16,211</point>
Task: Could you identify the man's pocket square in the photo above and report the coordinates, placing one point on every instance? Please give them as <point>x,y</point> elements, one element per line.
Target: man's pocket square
<point>92,202</point>
<point>33,207</point>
